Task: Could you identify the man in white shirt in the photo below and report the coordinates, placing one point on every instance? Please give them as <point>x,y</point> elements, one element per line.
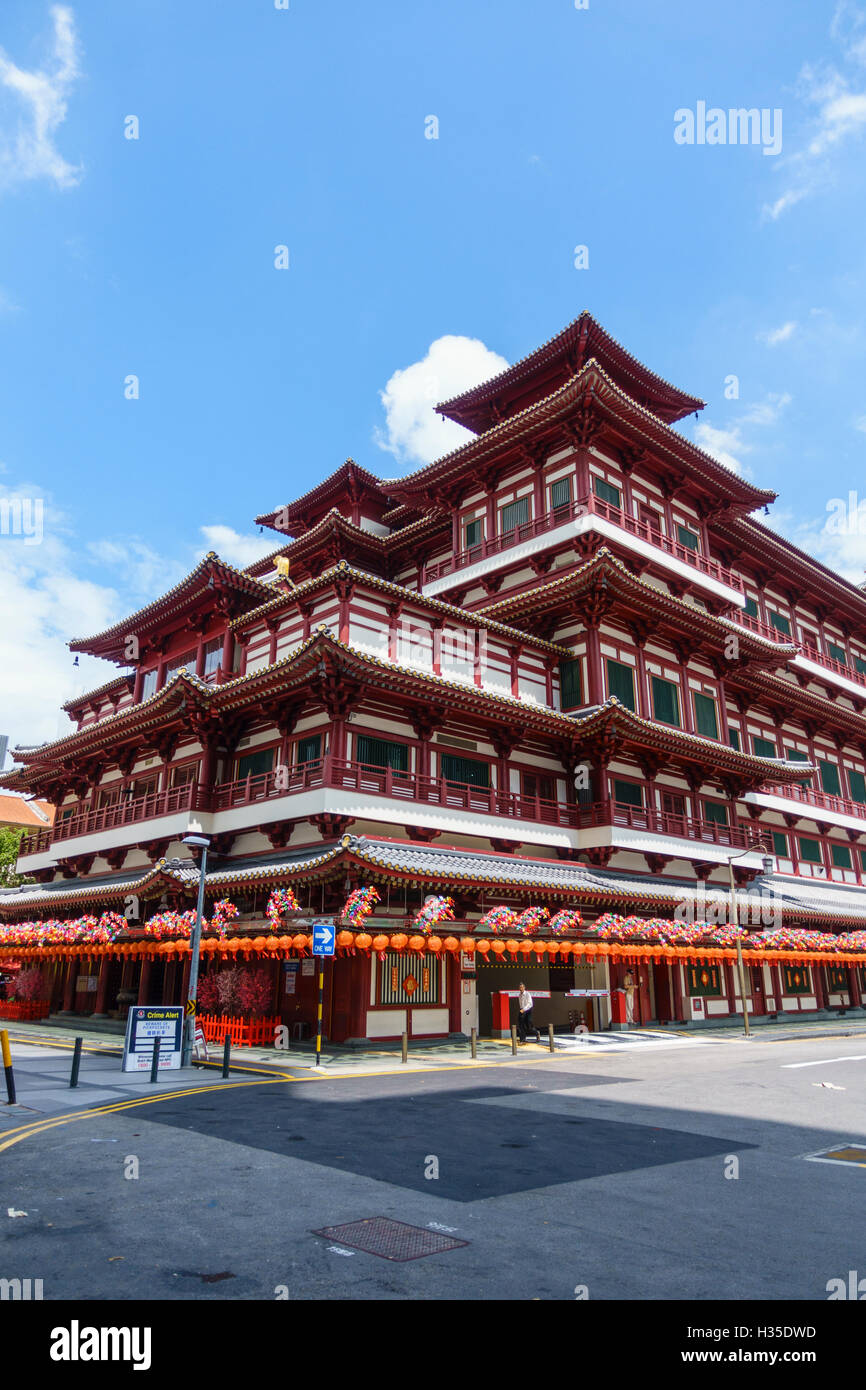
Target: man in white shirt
<point>525,1024</point>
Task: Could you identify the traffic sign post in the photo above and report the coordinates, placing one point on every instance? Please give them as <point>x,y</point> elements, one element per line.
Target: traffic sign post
<point>324,942</point>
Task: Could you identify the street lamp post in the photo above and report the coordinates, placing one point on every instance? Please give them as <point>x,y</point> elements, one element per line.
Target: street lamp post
<point>202,842</point>
<point>741,969</point>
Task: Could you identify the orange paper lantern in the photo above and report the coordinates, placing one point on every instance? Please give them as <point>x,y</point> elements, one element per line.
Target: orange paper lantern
<point>434,943</point>
<point>344,939</point>
<point>512,946</point>
<point>498,948</point>
<point>272,943</point>
<point>380,942</point>
<point>451,943</point>
<point>259,943</point>
<point>363,940</point>
<point>526,948</point>
<point>416,943</point>
<point>482,948</point>
<point>467,944</point>
<point>301,942</point>
<point>399,941</point>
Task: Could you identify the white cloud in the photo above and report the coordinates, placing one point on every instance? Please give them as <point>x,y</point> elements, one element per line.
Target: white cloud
<point>46,603</point>
<point>778,335</point>
<point>860,424</point>
<point>234,548</point>
<point>837,540</point>
<point>141,572</point>
<point>414,433</point>
<point>726,445</point>
<point>722,445</point>
<point>839,104</point>
<point>27,151</point>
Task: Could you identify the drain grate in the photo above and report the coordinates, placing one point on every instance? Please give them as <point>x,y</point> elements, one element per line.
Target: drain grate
<point>843,1153</point>
<point>391,1240</point>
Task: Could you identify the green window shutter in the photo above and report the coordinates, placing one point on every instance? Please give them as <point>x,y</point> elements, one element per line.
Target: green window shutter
<point>455,769</point>
<point>764,748</point>
<point>569,684</point>
<point>857,786</point>
<point>810,850</point>
<point>620,682</point>
<point>380,752</point>
<point>751,607</point>
<point>860,665</point>
<point>863,859</point>
<point>705,716</point>
<point>780,623</point>
<point>714,811</point>
<point>515,514</point>
<point>831,782</point>
<point>560,493</point>
<point>628,793</point>
<point>666,706</point>
<point>254,764</point>
<point>837,653</point>
<point>473,533</point>
<point>687,538</point>
<point>310,748</point>
<point>841,856</point>
<point>734,738</point>
<point>780,844</point>
<point>795,756</point>
<point>606,492</point>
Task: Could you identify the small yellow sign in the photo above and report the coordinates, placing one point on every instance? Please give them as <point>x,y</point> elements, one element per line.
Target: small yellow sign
<point>190,1007</point>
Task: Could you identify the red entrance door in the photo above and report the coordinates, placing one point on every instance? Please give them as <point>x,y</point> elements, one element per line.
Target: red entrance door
<point>759,1005</point>
<point>664,1003</point>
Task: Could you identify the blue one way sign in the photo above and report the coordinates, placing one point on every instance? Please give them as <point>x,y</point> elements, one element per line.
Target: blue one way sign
<point>324,938</point>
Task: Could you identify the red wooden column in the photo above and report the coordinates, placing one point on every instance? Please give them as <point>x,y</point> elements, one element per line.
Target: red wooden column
<point>820,990</point>
<point>69,987</point>
<point>452,977</point>
<point>227,660</point>
<point>855,994</point>
<point>144,980</point>
<point>102,988</point>
<point>595,677</point>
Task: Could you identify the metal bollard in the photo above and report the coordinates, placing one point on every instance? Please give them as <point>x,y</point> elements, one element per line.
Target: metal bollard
<point>76,1063</point>
<point>154,1066</point>
<point>404,1047</point>
<point>514,1039</point>
<point>7,1065</point>
<point>473,1041</point>
<point>227,1052</point>
<point>550,1036</point>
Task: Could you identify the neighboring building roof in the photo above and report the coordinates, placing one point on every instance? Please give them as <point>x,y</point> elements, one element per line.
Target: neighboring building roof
<point>554,362</point>
<point>18,811</point>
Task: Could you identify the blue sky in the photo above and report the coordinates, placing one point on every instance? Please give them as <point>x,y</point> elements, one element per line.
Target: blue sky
<point>305,127</point>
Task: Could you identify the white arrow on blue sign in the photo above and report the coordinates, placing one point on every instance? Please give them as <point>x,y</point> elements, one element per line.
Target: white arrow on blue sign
<point>323,939</point>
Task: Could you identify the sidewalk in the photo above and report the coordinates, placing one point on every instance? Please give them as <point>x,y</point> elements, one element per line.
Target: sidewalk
<point>299,1061</point>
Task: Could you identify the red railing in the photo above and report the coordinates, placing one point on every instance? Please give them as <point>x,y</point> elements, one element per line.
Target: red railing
<point>495,545</point>
<point>812,797</point>
<point>618,813</point>
<point>411,787</point>
<point>763,629</point>
<point>244,1032</point>
<point>24,1009</point>
<point>125,811</point>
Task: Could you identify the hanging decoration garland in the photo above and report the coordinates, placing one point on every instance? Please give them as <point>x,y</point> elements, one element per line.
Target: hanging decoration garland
<point>566,919</point>
<point>531,919</point>
<point>359,904</point>
<point>436,909</point>
<point>224,912</point>
<point>281,903</point>
<point>498,919</point>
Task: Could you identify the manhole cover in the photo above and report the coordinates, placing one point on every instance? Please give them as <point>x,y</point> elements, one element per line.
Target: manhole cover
<point>392,1240</point>
<point>843,1153</point>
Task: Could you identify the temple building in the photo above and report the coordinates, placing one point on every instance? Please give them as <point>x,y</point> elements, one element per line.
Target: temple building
<point>542,696</point>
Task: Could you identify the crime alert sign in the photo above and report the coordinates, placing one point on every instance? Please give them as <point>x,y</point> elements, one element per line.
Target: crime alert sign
<point>143,1024</point>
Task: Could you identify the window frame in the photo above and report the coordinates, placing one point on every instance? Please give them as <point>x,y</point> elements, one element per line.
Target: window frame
<point>672,685</point>
<point>524,502</point>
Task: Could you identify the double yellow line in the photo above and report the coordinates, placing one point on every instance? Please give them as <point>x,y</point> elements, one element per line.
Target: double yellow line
<point>14,1136</point>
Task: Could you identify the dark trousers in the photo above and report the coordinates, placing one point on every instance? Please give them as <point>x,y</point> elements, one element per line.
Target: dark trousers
<point>525,1025</point>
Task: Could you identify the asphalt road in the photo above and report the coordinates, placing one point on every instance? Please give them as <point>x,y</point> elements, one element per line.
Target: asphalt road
<point>610,1172</point>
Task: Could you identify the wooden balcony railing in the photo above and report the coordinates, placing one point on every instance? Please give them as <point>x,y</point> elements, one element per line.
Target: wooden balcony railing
<point>559,516</point>
<point>125,811</point>
<point>392,785</point>
<point>809,796</point>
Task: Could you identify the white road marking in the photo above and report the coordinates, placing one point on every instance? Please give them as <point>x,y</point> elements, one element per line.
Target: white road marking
<point>824,1062</point>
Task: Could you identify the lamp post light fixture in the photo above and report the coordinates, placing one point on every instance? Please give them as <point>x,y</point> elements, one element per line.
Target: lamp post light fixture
<point>201,842</point>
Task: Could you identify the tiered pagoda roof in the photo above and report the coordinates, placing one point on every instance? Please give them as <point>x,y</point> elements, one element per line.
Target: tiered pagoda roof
<point>552,365</point>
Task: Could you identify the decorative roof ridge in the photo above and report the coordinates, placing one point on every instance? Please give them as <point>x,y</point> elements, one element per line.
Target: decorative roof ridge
<point>604,558</point>
<point>851,589</point>
<point>343,567</point>
<point>347,469</point>
<point>151,704</point>
<point>548,349</point>
<point>211,562</point>
<point>541,411</point>
<point>113,684</point>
